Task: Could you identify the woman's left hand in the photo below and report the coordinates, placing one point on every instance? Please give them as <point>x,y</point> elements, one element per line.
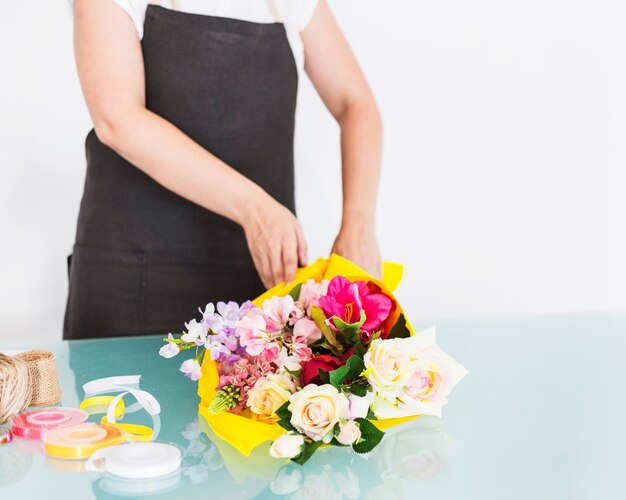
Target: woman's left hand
<point>360,246</point>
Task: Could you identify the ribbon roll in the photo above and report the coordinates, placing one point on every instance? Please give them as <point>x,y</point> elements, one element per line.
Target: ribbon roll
<point>95,405</point>
<point>81,441</point>
<point>136,460</point>
<point>33,424</point>
<point>145,399</point>
<point>115,404</point>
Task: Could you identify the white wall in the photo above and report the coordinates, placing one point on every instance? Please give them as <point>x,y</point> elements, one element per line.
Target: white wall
<point>503,185</point>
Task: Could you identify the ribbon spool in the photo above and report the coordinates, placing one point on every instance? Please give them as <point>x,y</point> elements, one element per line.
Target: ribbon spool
<point>27,379</point>
<point>33,424</point>
<point>81,441</point>
<point>43,377</point>
<point>137,460</point>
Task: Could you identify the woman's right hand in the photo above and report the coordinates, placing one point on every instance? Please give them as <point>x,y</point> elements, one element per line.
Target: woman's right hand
<point>275,239</point>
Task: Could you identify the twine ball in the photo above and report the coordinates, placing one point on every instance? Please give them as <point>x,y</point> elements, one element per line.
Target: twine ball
<point>15,386</point>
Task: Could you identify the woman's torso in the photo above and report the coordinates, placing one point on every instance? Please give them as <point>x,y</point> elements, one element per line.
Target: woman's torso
<point>144,257</point>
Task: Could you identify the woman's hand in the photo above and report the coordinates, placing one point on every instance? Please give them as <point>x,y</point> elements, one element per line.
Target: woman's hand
<point>275,239</point>
<point>358,244</point>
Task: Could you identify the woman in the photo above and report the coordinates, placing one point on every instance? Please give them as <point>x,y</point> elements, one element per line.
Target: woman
<point>189,192</point>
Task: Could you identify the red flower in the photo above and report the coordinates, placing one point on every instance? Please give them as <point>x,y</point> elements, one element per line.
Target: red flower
<point>310,373</point>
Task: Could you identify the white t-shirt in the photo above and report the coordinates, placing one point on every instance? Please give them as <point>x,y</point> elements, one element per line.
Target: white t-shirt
<point>295,14</point>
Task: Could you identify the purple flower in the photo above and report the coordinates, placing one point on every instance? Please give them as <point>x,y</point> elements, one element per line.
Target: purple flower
<point>196,332</point>
<point>211,320</point>
<point>191,369</point>
<point>170,349</point>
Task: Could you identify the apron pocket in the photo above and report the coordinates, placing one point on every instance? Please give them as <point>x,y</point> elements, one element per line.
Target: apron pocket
<point>106,296</point>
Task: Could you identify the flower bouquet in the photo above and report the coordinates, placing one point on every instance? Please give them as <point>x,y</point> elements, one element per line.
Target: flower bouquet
<point>328,359</point>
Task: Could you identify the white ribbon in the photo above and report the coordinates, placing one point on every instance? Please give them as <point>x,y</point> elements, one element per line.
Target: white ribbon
<point>110,384</point>
<point>120,384</point>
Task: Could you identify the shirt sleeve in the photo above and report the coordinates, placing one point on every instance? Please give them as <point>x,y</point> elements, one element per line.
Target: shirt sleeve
<point>305,13</point>
<point>136,9</point>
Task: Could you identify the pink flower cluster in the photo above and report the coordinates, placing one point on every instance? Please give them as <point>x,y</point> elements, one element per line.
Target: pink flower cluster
<point>282,327</point>
<point>243,374</point>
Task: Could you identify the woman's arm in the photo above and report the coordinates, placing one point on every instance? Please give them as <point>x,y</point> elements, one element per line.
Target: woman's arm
<point>110,67</point>
<point>340,83</point>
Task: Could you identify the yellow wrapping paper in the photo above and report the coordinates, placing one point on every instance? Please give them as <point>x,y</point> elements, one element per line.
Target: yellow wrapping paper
<point>243,431</point>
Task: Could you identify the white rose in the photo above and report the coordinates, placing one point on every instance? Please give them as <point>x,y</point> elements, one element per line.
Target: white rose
<point>426,390</point>
<point>388,366</point>
<point>349,432</point>
<point>433,375</point>
<point>287,446</point>
<point>315,411</point>
<point>269,394</point>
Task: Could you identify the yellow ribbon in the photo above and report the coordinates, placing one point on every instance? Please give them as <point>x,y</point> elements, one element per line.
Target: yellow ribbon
<point>94,404</point>
<point>134,432</point>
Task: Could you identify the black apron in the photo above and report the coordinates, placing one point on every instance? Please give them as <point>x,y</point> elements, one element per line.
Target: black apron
<point>145,258</point>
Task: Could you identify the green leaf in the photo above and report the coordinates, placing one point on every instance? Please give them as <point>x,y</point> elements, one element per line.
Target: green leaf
<point>295,291</point>
<point>370,436</point>
<point>351,370</point>
<point>307,451</point>
<point>349,328</point>
<point>324,376</point>
<point>359,350</point>
<point>286,424</point>
<point>371,415</point>
<point>283,411</point>
<point>359,390</point>
<point>320,320</point>
<point>399,330</point>
<point>284,415</point>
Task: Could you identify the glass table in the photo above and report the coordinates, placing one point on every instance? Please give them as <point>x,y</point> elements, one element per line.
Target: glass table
<point>540,416</point>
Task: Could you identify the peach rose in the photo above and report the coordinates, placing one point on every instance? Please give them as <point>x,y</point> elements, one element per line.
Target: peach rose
<point>315,410</point>
<point>270,393</point>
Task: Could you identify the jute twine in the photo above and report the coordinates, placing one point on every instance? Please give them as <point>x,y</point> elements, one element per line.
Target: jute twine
<point>28,379</point>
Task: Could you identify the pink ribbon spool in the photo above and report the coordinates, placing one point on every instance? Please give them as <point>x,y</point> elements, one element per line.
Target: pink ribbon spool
<point>33,424</point>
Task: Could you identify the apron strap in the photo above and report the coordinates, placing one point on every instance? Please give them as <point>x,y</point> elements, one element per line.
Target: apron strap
<point>271,5</point>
